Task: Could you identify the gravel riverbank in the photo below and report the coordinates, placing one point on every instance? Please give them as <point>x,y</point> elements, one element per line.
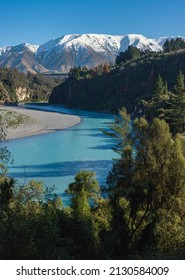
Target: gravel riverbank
<point>40,122</point>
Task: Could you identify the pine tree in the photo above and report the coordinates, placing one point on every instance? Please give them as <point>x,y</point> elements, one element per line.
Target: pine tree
<point>159,90</point>
<point>167,46</point>
<point>173,45</point>
<point>158,104</point>
<point>177,106</point>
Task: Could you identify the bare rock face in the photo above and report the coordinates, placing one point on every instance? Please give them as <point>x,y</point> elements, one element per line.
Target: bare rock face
<point>64,53</point>
<point>22,93</point>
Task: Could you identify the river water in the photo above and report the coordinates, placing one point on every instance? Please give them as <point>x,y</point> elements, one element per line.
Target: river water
<point>56,157</point>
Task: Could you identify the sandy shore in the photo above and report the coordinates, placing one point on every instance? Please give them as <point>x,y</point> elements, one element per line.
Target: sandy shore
<point>40,122</point>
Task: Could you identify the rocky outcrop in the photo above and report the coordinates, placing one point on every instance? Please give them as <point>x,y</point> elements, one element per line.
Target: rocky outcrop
<point>22,94</point>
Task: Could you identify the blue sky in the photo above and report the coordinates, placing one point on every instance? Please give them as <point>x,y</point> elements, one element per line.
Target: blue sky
<point>37,21</point>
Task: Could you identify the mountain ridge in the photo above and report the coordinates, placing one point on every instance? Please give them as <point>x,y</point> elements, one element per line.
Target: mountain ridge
<point>74,50</point>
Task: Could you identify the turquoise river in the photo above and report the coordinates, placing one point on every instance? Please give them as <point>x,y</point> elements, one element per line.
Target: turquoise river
<point>56,157</point>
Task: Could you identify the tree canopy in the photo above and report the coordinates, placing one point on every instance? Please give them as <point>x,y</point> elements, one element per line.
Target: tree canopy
<point>172,45</point>
<point>129,54</point>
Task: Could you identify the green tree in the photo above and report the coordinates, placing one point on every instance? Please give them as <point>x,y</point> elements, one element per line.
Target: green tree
<point>177,106</point>
<point>158,104</point>
<point>174,45</point>
<point>85,189</point>
<point>4,95</point>
<point>149,179</point>
<point>85,193</point>
<point>131,53</point>
<point>167,46</point>
<point>4,153</point>
<point>159,89</point>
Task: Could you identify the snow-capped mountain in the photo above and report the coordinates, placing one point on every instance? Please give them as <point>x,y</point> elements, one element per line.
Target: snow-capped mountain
<point>22,57</point>
<point>69,51</point>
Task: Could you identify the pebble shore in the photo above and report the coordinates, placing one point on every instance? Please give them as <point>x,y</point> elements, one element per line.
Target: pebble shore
<point>41,122</point>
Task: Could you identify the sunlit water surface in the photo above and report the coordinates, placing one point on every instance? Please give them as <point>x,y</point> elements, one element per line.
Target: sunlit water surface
<point>56,157</point>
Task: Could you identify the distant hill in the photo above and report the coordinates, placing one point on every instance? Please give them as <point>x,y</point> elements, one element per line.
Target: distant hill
<point>17,87</point>
<point>125,85</point>
<point>66,52</point>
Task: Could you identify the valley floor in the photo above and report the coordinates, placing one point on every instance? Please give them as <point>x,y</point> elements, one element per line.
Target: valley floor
<point>40,122</point>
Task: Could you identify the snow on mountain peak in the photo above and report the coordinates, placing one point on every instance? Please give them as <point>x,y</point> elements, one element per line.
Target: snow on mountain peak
<point>32,48</point>
<point>3,50</point>
<point>161,40</point>
<point>73,50</point>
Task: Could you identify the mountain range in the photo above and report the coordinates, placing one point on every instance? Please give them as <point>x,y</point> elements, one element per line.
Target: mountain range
<point>61,54</point>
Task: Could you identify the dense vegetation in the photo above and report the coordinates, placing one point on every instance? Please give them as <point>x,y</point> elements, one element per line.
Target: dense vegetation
<point>35,87</point>
<point>130,54</point>
<point>143,216</point>
<point>174,45</point>
<point>125,85</point>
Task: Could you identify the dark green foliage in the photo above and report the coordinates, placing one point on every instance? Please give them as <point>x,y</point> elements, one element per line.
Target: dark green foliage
<point>124,86</point>
<point>174,45</point>
<point>29,224</point>
<point>147,187</point>
<point>142,218</point>
<point>129,54</point>
<point>167,105</point>
<point>176,112</point>
<point>6,193</point>
<point>5,155</point>
<point>33,225</point>
<point>78,73</point>
<point>158,105</point>
<point>84,189</point>
<point>159,90</point>
<point>86,192</point>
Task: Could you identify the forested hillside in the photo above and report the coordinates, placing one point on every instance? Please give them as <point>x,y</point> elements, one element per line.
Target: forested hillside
<point>124,85</point>
<point>16,86</point>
